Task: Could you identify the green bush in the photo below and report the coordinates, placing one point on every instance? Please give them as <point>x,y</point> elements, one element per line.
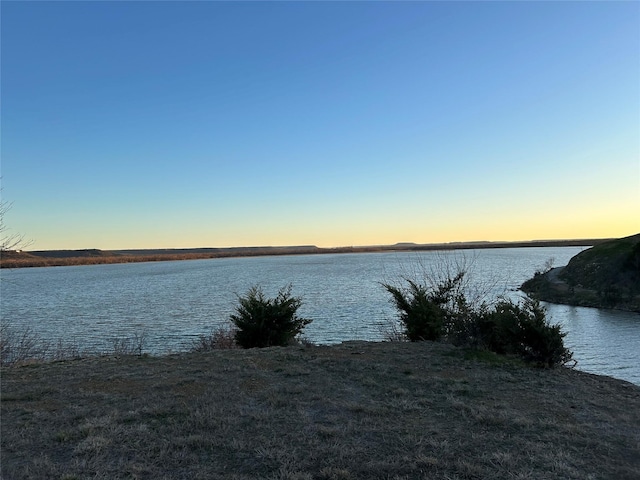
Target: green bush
<point>522,329</point>
<point>444,312</point>
<point>425,312</point>
<point>266,322</point>
<point>541,343</point>
<point>499,328</point>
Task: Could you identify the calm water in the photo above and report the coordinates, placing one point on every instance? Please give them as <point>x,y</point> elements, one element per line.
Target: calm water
<point>172,303</point>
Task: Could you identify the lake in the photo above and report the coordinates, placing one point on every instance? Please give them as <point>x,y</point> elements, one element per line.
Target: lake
<point>172,303</point>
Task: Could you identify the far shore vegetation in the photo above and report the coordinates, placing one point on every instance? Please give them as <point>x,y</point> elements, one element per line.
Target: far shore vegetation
<point>12,258</point>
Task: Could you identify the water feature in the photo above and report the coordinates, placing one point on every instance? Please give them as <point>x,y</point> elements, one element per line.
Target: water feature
<point>173,303</point>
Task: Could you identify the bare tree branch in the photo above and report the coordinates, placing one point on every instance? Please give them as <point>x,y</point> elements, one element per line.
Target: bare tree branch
<point>10,241</point>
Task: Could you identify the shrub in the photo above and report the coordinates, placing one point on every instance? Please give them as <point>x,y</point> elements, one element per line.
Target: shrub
<point>23,345</point>
<point>523,329</point>
<point>424,312</point>
<point>465,326</point>
<point>265,322</point>
<point>444,312</point>
<point>499,328</point>
<point>125,346</point>
<point>18,346</point>
<point>222,338</point>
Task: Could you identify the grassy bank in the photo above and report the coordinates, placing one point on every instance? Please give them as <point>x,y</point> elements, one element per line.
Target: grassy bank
<point>352,411</point>
<point>604,276</point>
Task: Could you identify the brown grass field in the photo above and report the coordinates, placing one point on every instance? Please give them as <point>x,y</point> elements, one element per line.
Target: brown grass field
<point>352,411</point>
<point>61,258</point>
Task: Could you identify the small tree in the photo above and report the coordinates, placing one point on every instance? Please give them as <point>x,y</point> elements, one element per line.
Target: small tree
<point>422,318</point>
<point>426,312</point>
<point>543,343</point>
<point>266,322</point>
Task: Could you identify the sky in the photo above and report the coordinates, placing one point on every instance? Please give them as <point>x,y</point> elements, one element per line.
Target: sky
<point>213,124</point>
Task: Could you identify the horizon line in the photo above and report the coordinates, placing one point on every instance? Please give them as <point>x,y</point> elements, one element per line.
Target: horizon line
<point>397,244</point>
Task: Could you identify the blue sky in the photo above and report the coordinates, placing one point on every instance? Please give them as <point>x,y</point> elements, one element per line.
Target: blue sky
<point>193,124</point>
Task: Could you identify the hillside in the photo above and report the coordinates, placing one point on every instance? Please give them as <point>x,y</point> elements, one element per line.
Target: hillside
<point>604,276</point>
<point>353,411</point>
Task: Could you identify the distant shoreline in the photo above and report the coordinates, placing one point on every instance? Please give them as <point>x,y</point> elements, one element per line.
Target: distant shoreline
<point>57,258</point>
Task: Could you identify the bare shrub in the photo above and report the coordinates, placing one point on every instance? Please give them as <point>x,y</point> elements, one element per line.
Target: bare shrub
<point>546,267</point>
<point>303,341</point>
<point>9,241</point>
<point>391,331</point>
<point>19,346</point>
<point>23,345</point>
<point>65,351</point>
<point>222,338</point>
<point>421,310</point>
<point>123,346</point>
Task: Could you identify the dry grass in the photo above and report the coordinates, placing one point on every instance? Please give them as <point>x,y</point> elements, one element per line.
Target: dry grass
<point>354,411</point>
<point>26,260</point>
<point>23,346</point>
<point>57,258</point>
